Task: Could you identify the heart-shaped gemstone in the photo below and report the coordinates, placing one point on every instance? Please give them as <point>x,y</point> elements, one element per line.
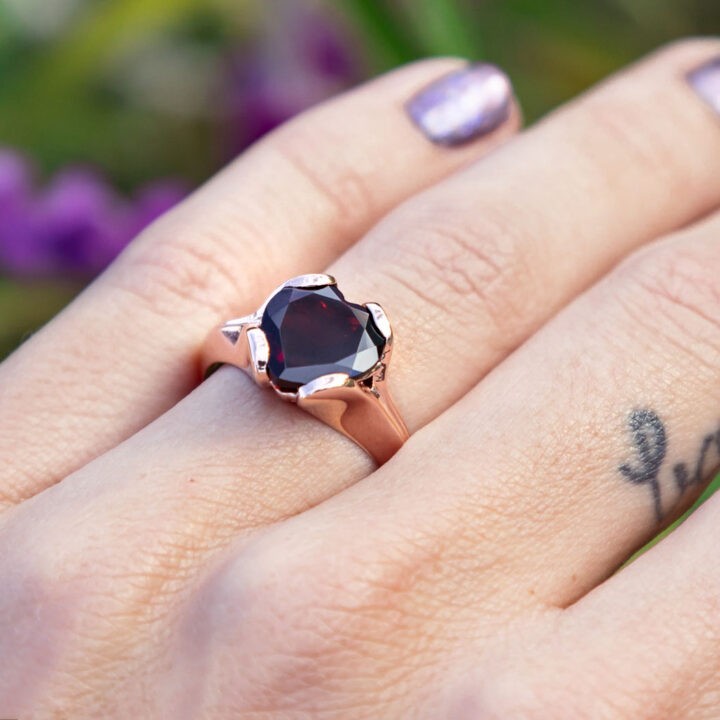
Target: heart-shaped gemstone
<point>315,331</point>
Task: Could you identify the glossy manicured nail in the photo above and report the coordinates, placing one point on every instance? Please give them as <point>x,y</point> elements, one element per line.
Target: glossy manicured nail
<point>463,105</point>
<point>706,82</point>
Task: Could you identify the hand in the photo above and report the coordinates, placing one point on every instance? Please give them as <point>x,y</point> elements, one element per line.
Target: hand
<point>556,305</point>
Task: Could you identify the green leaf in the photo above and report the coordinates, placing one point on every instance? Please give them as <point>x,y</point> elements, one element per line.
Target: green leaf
<point>709,491</point>
<point>385,33</point>
<point>444,27</point>
<point>105,29</point>
<point>25,307</point>
<point>57,102</point>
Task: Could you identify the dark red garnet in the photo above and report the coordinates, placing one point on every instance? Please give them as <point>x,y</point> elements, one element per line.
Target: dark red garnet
<point>314,332</point>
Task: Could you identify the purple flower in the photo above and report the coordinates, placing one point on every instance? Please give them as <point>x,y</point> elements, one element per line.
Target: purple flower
<point>76,226</point>
<point>15,175</point>
<point>17,252</point>
<point>302,58</point>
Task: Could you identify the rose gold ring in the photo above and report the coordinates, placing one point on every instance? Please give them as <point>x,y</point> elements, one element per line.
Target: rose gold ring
<point>316,349</point>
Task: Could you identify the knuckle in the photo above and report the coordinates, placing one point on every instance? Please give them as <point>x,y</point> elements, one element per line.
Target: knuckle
<point>616,118</point>
<point>533,686</point>
<point>307,600</point>
<point>483,262</point>
<point>174,269</point>
<point>346,187</point>
<point>616,121</point>
<point>675,292</point>
<point>313,620</point>
<point>59,603</point>
<point>629,136</point>
<point>278,618</point>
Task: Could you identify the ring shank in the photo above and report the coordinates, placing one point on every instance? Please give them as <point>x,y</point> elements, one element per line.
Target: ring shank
<point>367,416</point>
<point>224,346</point>
<point>365,413</point>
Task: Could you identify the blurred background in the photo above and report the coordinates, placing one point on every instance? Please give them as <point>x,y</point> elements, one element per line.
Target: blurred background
<point>112,110</point>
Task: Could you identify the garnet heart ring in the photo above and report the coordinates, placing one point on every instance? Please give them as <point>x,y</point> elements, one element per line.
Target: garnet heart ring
<point>328,355</point>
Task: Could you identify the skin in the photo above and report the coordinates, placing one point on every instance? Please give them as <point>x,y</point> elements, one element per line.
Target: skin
<point>223,555</point>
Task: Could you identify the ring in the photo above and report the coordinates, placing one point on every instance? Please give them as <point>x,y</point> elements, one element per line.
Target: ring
<point>316,349</point>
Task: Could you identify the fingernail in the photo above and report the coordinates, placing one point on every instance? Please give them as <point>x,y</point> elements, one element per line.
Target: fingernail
<point>706,82</point>
<point>464,105</point>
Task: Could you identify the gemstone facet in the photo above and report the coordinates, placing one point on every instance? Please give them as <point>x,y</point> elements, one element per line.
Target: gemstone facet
<point>315,331</point>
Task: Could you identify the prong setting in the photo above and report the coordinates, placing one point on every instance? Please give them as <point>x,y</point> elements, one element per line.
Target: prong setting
<point>326,354</point>
<point>310,281</point>
<point>245,321</point>
<point>381,320</point>
<point>325,382</point>
<point>383,325</point>
<point>259,355</point>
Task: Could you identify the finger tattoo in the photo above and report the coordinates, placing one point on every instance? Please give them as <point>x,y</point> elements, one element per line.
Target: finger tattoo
<point>650,439</point>
<point>650,442</point>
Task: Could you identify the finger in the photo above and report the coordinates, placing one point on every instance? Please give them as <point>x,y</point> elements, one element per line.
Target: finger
<point>482,289</point>
<point>642,645</point>
<point>660,617</point>
<point>124,352</point>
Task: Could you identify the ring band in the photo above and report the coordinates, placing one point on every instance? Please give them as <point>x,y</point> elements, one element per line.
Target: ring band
<point>316,349</point>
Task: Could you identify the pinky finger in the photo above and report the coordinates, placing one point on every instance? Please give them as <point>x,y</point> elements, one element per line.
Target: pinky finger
<point>653,631</point>
<point>645,645</point>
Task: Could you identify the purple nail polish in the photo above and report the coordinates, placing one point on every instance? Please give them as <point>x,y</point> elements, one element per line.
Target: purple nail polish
<point>706,82</point>
<point>463,105</point>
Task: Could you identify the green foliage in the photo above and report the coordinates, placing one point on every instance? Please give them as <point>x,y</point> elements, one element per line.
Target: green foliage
<point>23,310</point>
<point>58,100</point>
<point>63,98</point>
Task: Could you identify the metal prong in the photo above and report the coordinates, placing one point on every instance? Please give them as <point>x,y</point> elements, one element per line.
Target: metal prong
<point>383,325</point>
<point>310,281</point>
<point>330,397</point>
<point>326,382</point>
<point>247,320</point>
<point>381,320</point>
<point>259,355</point>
